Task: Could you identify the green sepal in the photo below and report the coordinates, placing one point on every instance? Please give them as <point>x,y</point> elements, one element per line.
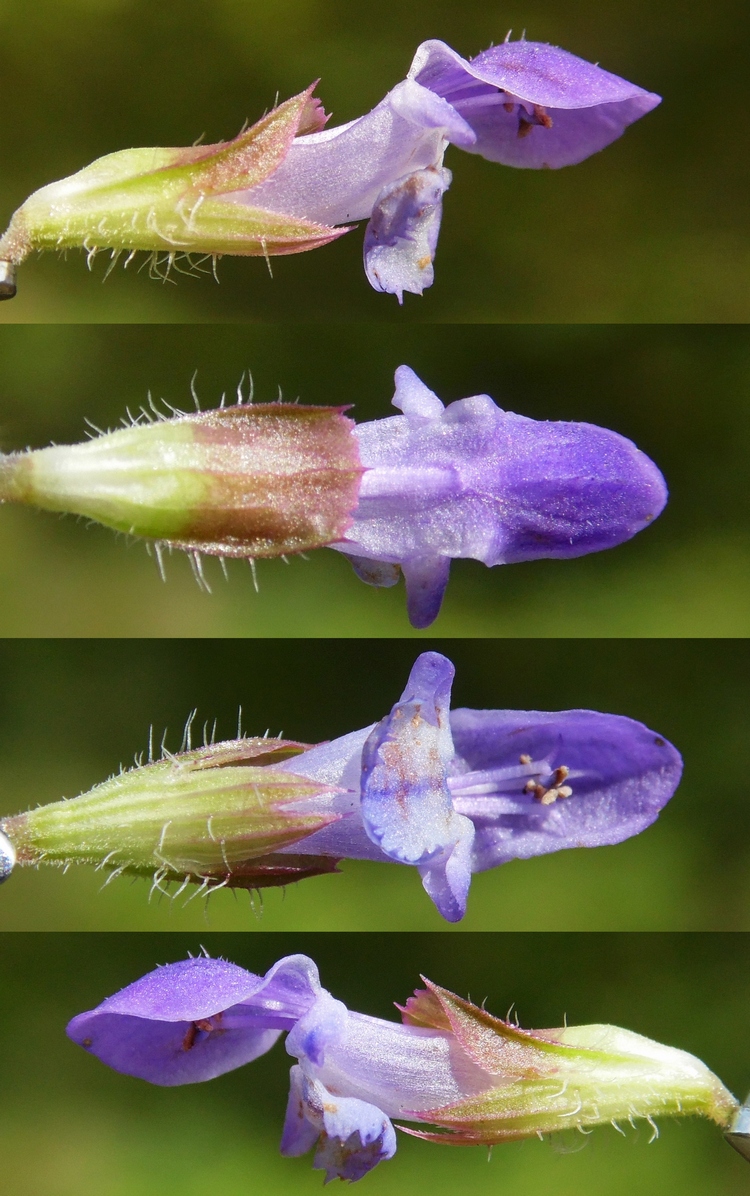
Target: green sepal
<point>175,200</point>
<point>194,815</point>
<point>253,480</point>
<point>568,1078</point>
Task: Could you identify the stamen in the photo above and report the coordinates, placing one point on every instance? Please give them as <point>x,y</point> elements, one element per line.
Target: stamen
<point>485,793</point>
<point>206,1024</point>
<point>549,795</point>
<point>542,116</point>
<point>538,116</point>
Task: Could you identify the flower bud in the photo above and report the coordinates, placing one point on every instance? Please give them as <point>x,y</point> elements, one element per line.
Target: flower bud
<point>250,480</point>
<point>185,201</point>
<point>217,813</point>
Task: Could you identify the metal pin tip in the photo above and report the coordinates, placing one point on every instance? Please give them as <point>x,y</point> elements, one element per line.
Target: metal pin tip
<point>7,857</point>
<point>741,1143</point>
<point>739,1134</point>
<point>7,280</point>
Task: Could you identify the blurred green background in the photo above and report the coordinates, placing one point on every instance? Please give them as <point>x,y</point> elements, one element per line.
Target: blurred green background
<point>680,392</point>
<point>71,713</point>
<point>652,229</point>
<point>71,1127</point>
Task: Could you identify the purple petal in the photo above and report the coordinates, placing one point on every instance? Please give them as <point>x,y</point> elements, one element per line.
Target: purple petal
<point>530,104</point>
<point>353,1135</point>
<point>341,762</point>
<point>406,804</point>
<point>472,480</point>
<point>429,684</point>
<point>401,236</point>
<point>447,878</point>
<point>533,71</point>
<point>572,488</point>
<point>426,579</point>
<point>336,176</point>
<point>167,1053</point>
<point>426,109</point>
<point>357,1136</point>
<point>299,1134</point>
<point>398,1067</point>
<point>323,1024</point>
<point>621,775</point>
<point>482,482</point>
<point>288,989</point>
<point>414,398</point>
<point>185,991</point>
<point>517,139</point>
<point>192,1021</point>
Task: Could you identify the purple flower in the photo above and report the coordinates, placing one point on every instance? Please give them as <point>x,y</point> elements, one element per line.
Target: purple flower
<point>456,792</point>
<point>446,792</point>
<point>288,184</point>
<point>452,1065</point>
<point>472,480</point>
<point>521,103</point>
<point>409,492</point>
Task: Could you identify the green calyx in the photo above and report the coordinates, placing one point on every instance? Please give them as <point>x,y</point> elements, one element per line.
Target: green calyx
<point>198,814</point>
<point>246,481</point>
<point>543,1081</point>
<point>175,200</point>
<point>145,480</point>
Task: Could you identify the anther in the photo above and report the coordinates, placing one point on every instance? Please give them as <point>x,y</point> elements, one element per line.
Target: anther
<point>7,280</point>
<point>547,796</point>
<point>538,117</point>
<point>524,759</point>
<point>542,116</point>
<point>191,1034</point>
